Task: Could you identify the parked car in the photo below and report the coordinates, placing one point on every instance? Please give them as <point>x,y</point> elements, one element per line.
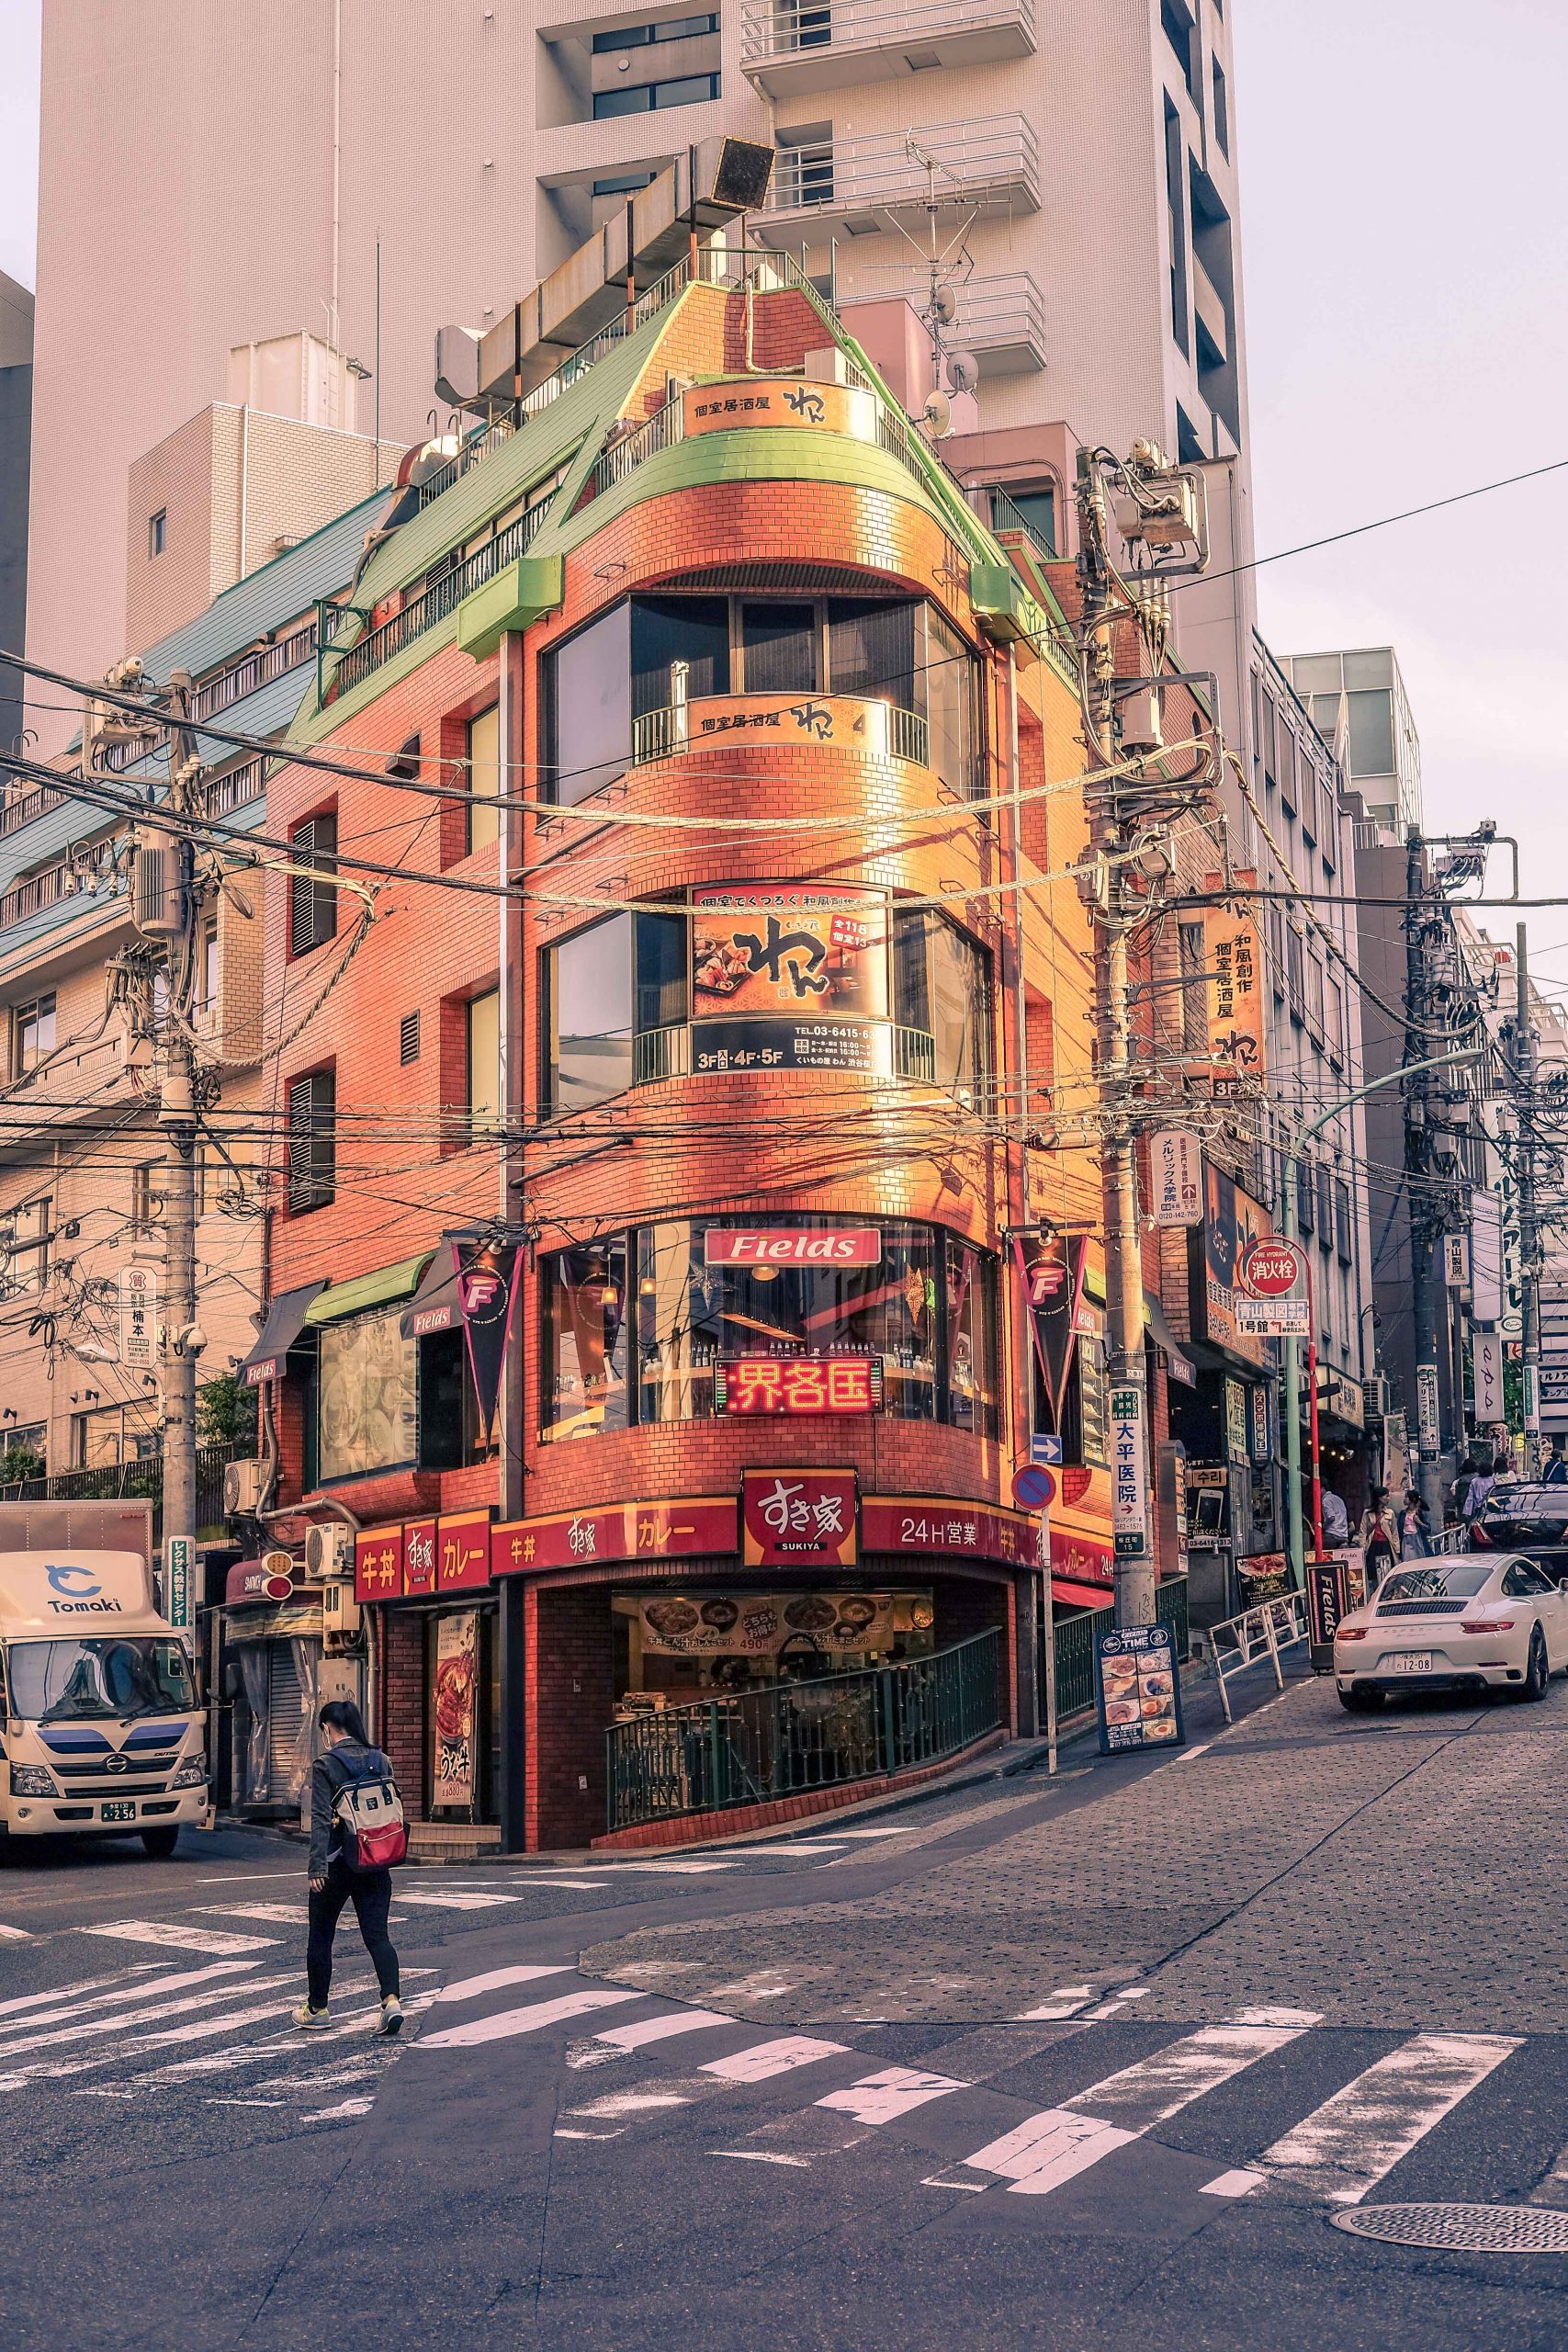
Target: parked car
<point>1529,1519</point>
<point>1467,1621</point>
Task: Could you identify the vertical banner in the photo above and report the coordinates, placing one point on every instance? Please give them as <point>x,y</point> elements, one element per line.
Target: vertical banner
<point>1456,1261</point>
<point>179,1581</point>
<point>1487,1373</point>
<point>1129,1474</point>
<point>1051,1274</point>
<point>138,1317</point>
<point>487,1289</point>
<point>1426,1411</point>
<point>1234,961</point>
<point>454,1687</point>
<point>1176,1177</point>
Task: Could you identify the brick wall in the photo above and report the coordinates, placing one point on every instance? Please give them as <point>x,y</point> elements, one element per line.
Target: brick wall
<point>402,1714</point>
<point>571,1698</point>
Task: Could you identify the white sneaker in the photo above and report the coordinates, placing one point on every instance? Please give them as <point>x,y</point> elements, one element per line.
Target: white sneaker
<point>391,2014</point>
<point>312,2020</point>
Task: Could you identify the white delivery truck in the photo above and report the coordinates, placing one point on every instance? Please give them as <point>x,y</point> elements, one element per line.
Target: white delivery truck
<point>99,1713</point>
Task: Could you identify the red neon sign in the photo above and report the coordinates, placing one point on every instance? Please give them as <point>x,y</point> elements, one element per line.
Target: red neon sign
<point>800,1386</point>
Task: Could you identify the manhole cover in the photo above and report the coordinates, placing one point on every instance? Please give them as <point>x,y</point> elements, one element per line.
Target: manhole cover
<point>1476,2229</point>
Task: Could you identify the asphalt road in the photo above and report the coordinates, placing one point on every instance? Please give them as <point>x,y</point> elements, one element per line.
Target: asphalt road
<point>1091,2063</point>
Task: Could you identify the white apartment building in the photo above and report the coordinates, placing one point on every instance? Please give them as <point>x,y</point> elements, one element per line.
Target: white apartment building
<point>365,170</point>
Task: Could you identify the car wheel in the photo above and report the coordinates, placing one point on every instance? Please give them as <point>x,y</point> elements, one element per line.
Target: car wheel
<point>1537,1672</point>
<point>160,1843</point>
<point>1361,1703</point>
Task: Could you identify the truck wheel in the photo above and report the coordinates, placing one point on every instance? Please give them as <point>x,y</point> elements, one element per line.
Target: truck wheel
<point>160,1843</point>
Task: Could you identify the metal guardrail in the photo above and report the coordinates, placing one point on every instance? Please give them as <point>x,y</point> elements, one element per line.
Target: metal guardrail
<point>442,593</point>
<point>1074,1638</point>
<point>26,806</point>
<point>792,1738</point>
<point>664,734</point>
<point>787,28</point>
<point>1258,1632</point>
<point>985,158</point>
<point>662,430</point>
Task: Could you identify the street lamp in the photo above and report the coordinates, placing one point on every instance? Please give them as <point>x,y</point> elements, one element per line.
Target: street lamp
<point>1304,1135</point>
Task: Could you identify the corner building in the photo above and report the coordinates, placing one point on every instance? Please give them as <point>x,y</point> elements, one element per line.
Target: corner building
<point>777,1038</point>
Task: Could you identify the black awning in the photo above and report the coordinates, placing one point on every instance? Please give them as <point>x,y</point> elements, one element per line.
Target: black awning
<point>435,1306</point>
<point>1160,1332</point>
<point>285,1321</point>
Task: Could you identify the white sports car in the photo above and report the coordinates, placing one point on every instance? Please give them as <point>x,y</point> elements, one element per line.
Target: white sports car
<point>1478,1620</point>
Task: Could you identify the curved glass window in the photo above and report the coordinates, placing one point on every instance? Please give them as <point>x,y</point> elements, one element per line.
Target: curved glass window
<point>925,1305</point>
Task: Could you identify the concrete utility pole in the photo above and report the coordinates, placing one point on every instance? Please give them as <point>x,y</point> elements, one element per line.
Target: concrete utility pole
<point>1159,507</point>
<point>1529,1239</point>
<point>1425,1220</point>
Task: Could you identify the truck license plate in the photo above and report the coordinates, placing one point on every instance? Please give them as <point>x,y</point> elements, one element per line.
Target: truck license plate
<point>124,1809</point>
<point>1411,1662</point>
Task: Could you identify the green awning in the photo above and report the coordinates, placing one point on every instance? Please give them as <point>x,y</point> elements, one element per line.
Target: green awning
<point>363,1292</point>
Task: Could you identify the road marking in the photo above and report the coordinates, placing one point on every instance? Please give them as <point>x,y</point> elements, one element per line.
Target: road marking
<point>288,1914</point>
<point>905,1830</point>
<point>767,2058</point>
<point>689,1869</point>
<point>1552,2189</point>
<point>167,1931</point>
<point>1066,2002</point>
<point>1346,2145</point>
<point>664,2029</point>
<point>92,2012</point>
<point>469,1899</point>
<point>87,1984</point>
<point>576,1885</point>
<point>1189,1753</point>
<point>630,2103</point>
<point>1062,2141</point>
<point>562,2133</point>
<point>805,1846</point>
<point>468,1988</point>
<point>338,2114</point>
<point>756,2156</point>
<point>882,2099</point>
<point>15,1934</point>
<point>507,2024</point>
<point>1233,2184</point>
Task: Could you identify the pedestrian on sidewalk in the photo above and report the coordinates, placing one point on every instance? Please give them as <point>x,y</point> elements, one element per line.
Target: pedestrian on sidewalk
<point>1379,1535</point>
<point>1556,1470</point>
<point>1415,1529</point>
<point>1335,1519</point>
<point>346,1758</point>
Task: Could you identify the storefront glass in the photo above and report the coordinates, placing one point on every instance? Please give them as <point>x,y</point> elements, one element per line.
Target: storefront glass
<point>366,1397</point>
<point>926,1307</point>
<point>682,1644</point>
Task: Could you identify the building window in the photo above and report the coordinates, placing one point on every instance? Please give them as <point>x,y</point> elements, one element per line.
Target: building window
<point>146,1194</point>
<point>34,1230</point>
<point>313,899</point>
<point>604,987</point>
<point>644,35</point>
<point>1175,207</point>
<point>1222,106</point>
<point>157,532</point>
<point>1182,34</point>
<point>313,1141</point>
<point>648,98</point>
<point>366,1397</point>
<point>926,1306</point>
<point>483,813</point>
<point>1191,1022</point>
<point>32,1034</point>
<point>1342,1237</point>
<point>941,984</point>
<point>207,967</point>
<point>407,1039</point>
<point>483,1046</point>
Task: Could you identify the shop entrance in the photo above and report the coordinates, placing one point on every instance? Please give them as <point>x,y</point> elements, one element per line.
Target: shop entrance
<point>674,1648</point>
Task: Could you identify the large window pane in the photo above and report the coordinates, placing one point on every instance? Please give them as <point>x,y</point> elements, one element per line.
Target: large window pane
<point>667,630</point>
<point>940,987</point>
<point>663,956</point>
<point>971,1304</point>
<point>871,650</point>
<point>588,688</point>
<point>366,1395</point>
<point>590,1015</point>
<point>484,778</point>
<point>1371,732</point>
<point>484,1065</point>
<point>948,672</point>
<point>780,649</point>
<point>584,1380</point>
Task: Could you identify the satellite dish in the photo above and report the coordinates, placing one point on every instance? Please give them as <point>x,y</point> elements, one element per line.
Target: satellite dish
<point>963,371</point>
<point>938,415</point>
<point>944,306</point>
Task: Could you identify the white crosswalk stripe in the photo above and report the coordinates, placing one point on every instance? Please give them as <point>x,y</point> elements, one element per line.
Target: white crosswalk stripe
<point>1355,2139</point>
<point>762,2060</point>
<point>178,1936</point>
<point>508,2024</point>
<point>468,1898</point>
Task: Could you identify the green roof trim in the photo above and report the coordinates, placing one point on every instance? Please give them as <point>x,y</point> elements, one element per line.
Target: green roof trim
<point>383,1288</point>
<point>534,584</point>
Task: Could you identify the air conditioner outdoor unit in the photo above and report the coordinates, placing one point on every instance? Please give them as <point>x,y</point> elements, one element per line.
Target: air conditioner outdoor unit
<point>327,1551</point>
<point>340,1611</point>
<point>1374,1396</point>
<point>243,1487</point>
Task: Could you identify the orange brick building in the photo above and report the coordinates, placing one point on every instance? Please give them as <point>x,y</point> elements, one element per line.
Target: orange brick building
<point>681,928</point>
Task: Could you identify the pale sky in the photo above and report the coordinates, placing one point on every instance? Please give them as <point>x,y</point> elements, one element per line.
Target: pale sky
<point>1407,335</point>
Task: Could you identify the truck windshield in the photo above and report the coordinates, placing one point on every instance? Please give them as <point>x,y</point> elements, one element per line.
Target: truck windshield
<point>119,1675</point>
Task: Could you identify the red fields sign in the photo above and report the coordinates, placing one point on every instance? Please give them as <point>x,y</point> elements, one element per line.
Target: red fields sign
<point>378,1563</point>
<point>664,1530</point>
<point>1272,1267</point>
<point>804,1387</point>
<point>777,1245</point>
<point>798,1518</point>
<point>462,1551</point>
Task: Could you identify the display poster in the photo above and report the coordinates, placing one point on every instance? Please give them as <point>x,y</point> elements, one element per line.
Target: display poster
<point>798,1518</point>
<point>1487,1373</point>
<point>1138,1689</point>
<point>1233,1220</point>
<point>453,1688</point>
<point>790,975</point>
<point>1176,1177</point>
<point>760,1624</point>
<point>1233,962</point>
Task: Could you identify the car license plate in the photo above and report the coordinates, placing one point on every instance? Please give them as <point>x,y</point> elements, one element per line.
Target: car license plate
<point>123,1809</point>
<point>1411,1662</point>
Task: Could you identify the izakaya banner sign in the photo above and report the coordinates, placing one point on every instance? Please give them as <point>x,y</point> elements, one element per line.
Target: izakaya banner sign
<point>452,1693</point>
<point>790,975</point>
<point>1233,959</point>
<point>486,1275</point>
<point>1053,1277</point>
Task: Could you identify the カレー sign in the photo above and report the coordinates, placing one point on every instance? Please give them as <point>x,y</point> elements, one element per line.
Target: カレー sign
<point>798,1518</point>
<point>776,1245</point>
<point>1176,1177</point>
<point>1129,1474</point>
<point>462,1551</point>
<point>802,1386</point>
<point>663,1530</point>
<point>1138,1689</point>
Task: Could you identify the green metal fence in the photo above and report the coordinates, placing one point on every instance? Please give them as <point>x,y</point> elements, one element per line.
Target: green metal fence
<point>1074,1645</point>
<point>795,1737</point>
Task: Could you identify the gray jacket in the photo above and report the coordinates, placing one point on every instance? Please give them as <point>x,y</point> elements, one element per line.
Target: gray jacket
<point>333,1770</point>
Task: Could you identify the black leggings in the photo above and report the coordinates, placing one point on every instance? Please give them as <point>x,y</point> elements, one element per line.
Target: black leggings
<point>371,1895</point>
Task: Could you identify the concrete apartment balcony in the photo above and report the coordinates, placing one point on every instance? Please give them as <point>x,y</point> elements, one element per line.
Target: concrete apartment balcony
<point>789,48</point>
<point>988,166</point>
<point>1001,319</point>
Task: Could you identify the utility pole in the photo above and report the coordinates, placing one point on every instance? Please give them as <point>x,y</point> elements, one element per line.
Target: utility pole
<point>1529,1243</point>
<point>1159,507</point>
<point>1425,1219</point>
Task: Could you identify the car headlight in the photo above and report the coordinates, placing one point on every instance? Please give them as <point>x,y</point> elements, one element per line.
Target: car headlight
<point>191,1776</point>
<point>32,1781</point>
